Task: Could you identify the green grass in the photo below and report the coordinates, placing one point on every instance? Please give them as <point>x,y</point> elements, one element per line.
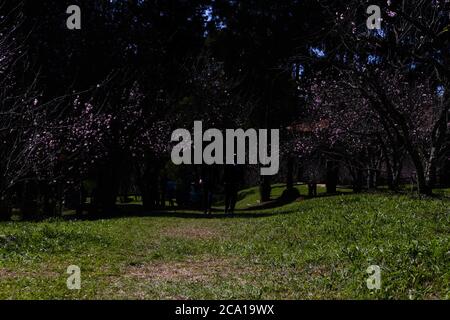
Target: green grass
<point>310,249</point>
<point>250,197</point>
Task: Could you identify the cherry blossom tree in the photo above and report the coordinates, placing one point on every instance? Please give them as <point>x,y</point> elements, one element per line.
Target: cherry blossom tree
<point>376,115</point>
<point>18,111</point>
<point>400,72</point>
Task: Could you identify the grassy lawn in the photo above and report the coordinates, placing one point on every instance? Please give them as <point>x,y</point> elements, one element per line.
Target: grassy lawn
<point>309,249</point>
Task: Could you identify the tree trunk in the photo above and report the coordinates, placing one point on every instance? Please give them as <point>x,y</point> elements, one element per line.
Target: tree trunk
<point>290,173</point>
<point>5,209</point>
<point>332,176</point>
<point>422,185</point>
<point>149,185</point>
<point>107,189</point>
<point>28,207</point>
<point>357,180</point>
<point>265,189</point>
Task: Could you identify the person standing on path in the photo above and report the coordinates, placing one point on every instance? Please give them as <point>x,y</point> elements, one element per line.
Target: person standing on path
<point>231,181</point>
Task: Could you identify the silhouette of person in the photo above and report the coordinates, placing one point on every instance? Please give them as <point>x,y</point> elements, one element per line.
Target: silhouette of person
<point>231,181</point>
<point>312,189</point>
<point>171,190</point>
<point>208,181</point>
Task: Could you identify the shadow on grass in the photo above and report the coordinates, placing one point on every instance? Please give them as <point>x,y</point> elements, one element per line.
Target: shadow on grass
<point>252,212</point>
<point>280,201</point>
<point>241,196</point>
<point>134,210</point>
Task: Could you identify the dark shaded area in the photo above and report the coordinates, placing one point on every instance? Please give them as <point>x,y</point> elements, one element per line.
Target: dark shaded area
<point>89,113</point>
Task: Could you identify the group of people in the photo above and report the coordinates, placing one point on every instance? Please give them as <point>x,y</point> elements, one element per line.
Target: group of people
<point>208,181</point>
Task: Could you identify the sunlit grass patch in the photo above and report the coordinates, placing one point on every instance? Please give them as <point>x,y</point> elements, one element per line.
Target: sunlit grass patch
<point>307,249</point>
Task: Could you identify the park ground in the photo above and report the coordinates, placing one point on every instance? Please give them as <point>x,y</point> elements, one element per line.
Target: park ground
<point>308,249</point>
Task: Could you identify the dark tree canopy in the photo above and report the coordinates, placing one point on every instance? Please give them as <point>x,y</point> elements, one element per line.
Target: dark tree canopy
<point>93,109</point>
